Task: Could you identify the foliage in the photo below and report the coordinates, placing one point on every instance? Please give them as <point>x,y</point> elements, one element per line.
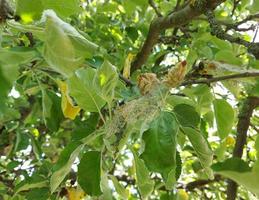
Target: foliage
<point>109,100</point>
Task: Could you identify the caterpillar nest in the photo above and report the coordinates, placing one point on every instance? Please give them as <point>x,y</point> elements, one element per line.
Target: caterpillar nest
<point>147,82</point>
<point>143,110</point>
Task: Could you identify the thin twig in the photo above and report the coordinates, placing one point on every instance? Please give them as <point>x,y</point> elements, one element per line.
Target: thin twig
<point>155,7</point>
<point>216,30</point>
<point>30,38</point>
<point>255,35</point>
<point>125,80</point>
<point>221,78</point>
<point>236,2</point>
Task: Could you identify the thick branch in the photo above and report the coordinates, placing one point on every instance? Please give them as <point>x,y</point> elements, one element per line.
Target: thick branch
<point>221,78</point>
<point>216,30</point>
<point>242,127</point>
<point>177,18</point>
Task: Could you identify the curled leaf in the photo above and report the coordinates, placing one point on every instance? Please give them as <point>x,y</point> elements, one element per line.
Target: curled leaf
<point>175,75</point>
<point>127,65</point>
<point>147,82</point>
<point>75,193</point>
<point>69,110</point>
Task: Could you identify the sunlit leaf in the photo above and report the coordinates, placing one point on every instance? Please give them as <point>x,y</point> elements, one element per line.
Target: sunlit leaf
<point>82,88</point>
<point>224,115</point>
<point>106,80</point>
<point>202,149</point>
<point>63,8</point>
<point>58,49</point>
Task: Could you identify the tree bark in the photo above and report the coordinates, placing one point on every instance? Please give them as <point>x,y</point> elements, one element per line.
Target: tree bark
<point>244,117</point>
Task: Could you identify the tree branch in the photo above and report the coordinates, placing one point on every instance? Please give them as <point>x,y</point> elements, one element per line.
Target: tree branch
<point>126,81</point>
<point>200,183</point>
<point>221,78</point>
<point>236,2</point>
<point>177,18</point>
<point>245,114</point>
<point>189,186</point>
<point>154,6</point>
<point>216,30</point>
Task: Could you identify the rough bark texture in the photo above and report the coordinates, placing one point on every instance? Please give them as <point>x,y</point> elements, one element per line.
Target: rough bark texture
<point>177,18</point>
<point>244,117</point>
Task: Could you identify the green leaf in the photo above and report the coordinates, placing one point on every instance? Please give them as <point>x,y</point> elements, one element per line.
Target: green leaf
<point>225,117</point>
<point>51,110</point>
<point>201,147</point>
<point>59,51</point>
<point>221,44</point>
<point>29,10</point>
<point>254,7</point>
<point>82,46</point>
<point>6,83</point>
<point>178,170</point>
<point>106,80</point>
<point>38,193</point>
<point>22,141</point>
<point>227,56</point>
<point>239,171</point>
<point>85,128</point>
<point>16,56</point>
<point>144,182</point>
<point>82,88</point>
<point>232,164</point>
<point>132,32</point>
<point>174,100</point>
<point>201,94</point>
<point>6,113</point>
<point>37,31</point>
<point>187,115</point>
<point>256,145</point>
<point>63,166</point>
<point>160,145</point>
<point>120,189</point>
<point>63,8</point>
<point>105,188</point>
<point>32,183</point>
<point>89,173</point>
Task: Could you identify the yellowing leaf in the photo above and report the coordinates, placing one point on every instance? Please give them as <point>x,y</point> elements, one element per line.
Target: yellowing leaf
<point>75,193</point>
<point>230,141</point>
<point>35,132</point>
<point>27,18</point>
<point>69,110</point>
<point>127,65</point>
<point>182,195</point>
